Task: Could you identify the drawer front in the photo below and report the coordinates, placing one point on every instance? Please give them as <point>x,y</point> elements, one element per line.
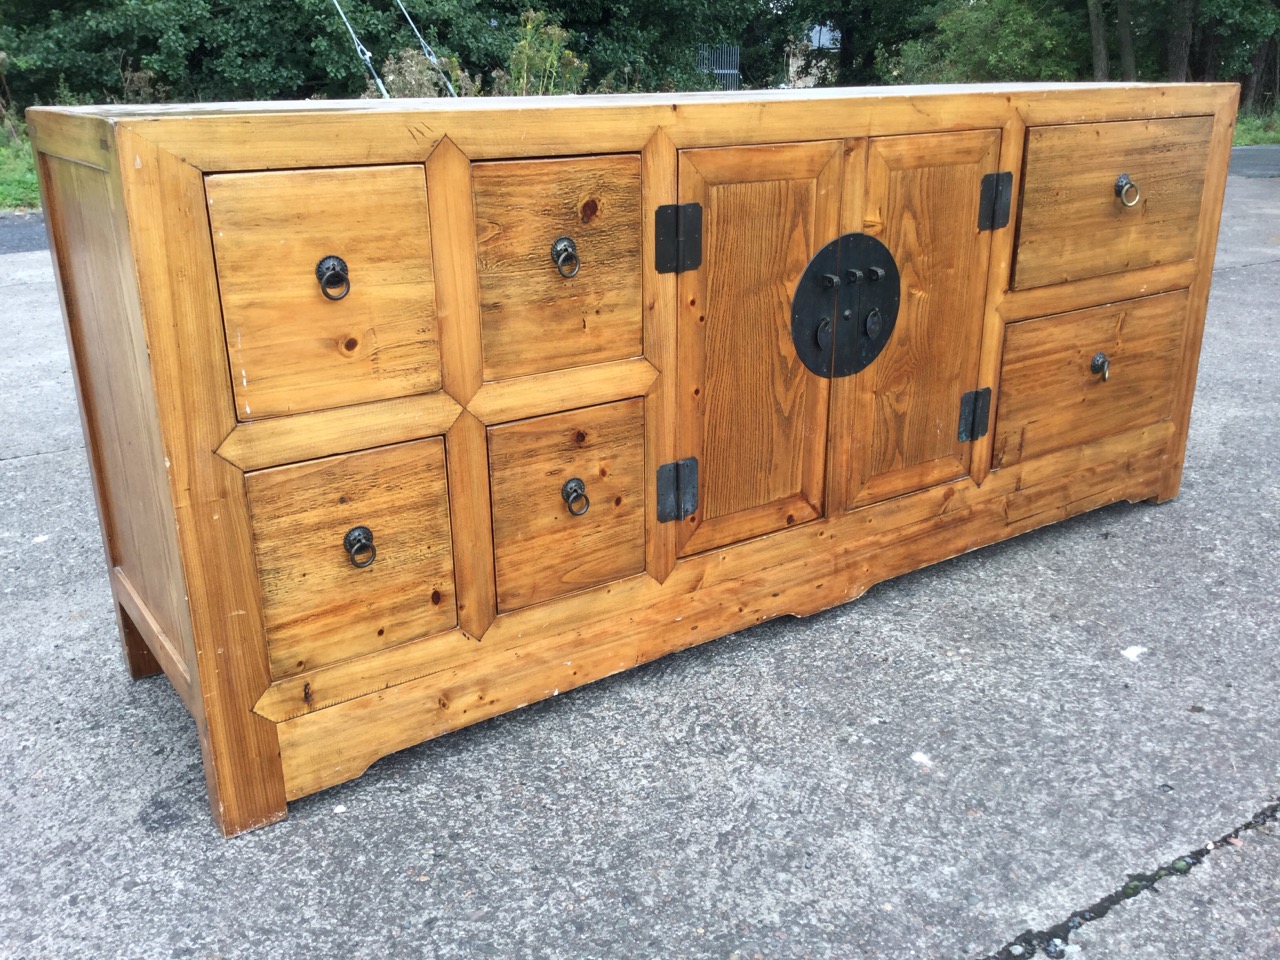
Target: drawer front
<point>1050,395</point>
<point>318,606</point>
<point>547,545</point>
<point>291,347</point>
<point>534,319</point>
<point>1073,225</point>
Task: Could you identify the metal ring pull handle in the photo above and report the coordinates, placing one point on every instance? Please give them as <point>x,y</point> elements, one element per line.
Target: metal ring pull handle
<point>359,546</point>
<point>335,282</point>
<point>564,253</point>
<point>1127,191</point>
<point>575,496</point>
<point>1101,366</point>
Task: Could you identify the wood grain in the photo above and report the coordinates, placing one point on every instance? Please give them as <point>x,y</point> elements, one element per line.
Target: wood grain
<point>532,319</point>
<point>265,136</point>
<point>290,348</point>
<point>1017,305</point>
<point>779,173</point>
<point>659,165</point>
<point>581,639</point>
<point>750,411</point>
<point>542,393</point>
<point>467,457</point>
<point>317,606</point>
<point>901,413</point>
<point>177,283</point>
<point>151,644</point>
<point>1207,233</point>
<point>454,263</point>
<point>540,549</point>
<point>1050,399</point>
<point>1072,225</point>
<point>306,436</point>
<point>118,408</point>
<point>67,136</point>
<point>1000,263</point>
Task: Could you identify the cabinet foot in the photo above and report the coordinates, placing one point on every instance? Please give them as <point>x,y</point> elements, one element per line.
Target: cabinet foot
<point>138,657</point>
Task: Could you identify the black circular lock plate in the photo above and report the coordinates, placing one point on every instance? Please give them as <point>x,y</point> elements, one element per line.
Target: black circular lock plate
<point>851,285</point>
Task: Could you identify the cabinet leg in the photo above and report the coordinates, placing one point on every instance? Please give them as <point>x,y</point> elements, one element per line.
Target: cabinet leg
<point>137,655</point>
<point>245,791</point>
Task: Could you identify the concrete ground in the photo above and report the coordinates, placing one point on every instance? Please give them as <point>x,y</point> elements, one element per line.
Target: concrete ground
<point>950,767</point>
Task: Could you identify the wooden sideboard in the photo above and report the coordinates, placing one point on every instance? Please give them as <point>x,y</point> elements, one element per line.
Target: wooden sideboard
<point>404,414</point>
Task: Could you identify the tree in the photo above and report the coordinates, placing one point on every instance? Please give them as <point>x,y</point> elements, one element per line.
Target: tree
<point>992,40</point>
<point>1098,39</point>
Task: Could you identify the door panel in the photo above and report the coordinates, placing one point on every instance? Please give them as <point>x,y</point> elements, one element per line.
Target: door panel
<point>751,413</point>
<point>900,414</point>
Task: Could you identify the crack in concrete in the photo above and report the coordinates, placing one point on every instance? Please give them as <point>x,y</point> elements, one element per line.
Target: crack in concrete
<point>1054,940</point>
<point>1244,266</point>
<point>40,453</point>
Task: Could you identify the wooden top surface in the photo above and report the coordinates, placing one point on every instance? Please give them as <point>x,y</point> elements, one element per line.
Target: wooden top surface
<point>620,100</point>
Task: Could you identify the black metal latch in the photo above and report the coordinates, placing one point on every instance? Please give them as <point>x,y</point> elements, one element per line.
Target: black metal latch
<point>975,412</point>
<point>995,201</point>
<point>845,305</point>
<point>677,489</point>
<point>677,229</point>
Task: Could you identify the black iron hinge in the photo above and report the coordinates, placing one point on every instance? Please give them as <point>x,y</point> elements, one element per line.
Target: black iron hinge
<point>677,489</point>
<point>677,238</point>
<point>975,410</point>
<point>995,200</point>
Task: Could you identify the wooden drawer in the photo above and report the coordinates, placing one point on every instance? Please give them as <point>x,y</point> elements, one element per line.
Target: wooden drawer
<point>318,606</point>
<point>1073,225</point>
<point>532,318</point>
<point>1050,396</point>
<point>541,549</point>
<point>291,347</point>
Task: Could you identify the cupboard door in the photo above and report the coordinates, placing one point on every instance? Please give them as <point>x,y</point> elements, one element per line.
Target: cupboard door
<point>751,412</point>
<point>899,416</point>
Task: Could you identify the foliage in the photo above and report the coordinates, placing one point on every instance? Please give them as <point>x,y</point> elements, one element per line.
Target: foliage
<point>541,62</point>
<point>75,51</point>
<point>990,40</point>
<point>1256,128</point>
<point>122,50</point>
<point>410,74</point>
<point>18,187</point>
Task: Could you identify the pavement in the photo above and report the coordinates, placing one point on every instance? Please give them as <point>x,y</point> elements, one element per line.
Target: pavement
<point>971,761</point>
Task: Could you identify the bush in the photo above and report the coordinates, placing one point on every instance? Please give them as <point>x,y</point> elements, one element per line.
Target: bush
<point>991,40</point>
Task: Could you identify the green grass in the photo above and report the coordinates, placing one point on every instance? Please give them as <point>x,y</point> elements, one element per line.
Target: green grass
<point>1255,128</point>
<point>18,187</point>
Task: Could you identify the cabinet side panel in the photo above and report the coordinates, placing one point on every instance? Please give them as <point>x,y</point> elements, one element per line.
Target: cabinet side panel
<point>118,409</point>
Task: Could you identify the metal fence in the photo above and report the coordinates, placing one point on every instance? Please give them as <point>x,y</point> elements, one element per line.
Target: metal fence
<point>722,63</point>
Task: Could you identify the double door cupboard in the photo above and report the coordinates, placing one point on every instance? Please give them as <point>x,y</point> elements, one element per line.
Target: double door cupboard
<point>405,414</point>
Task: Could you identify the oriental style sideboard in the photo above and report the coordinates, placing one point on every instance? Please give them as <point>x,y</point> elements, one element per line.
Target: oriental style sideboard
<point>404,414</point>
